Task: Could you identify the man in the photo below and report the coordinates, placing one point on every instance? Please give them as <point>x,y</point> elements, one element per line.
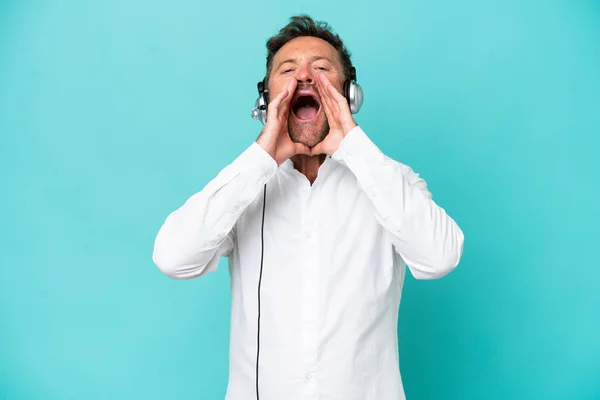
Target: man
<point>318,226</point>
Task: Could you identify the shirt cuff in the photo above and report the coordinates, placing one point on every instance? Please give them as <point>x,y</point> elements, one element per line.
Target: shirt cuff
<point>357,144</point>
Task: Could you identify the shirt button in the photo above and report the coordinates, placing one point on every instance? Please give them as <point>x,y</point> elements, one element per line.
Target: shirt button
<point>308,377</point>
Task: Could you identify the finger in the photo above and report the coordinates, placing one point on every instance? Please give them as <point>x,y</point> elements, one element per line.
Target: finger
<point>327,84</point>
<point>324,93</point>
<point>325,96</point>
<point>324,82</point>
<point>326,101</point>
<point>339,99</point>
<point>274,104</point>
<point>286,94</point>
<point>333,123</point>
<point>331,101</point>
<point>300,148</point>
<point>284,108</point>
<point>317,149</point>
<point>334,94</point>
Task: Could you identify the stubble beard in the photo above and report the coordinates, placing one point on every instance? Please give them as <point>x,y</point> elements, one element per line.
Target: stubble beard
<point>309,134</point>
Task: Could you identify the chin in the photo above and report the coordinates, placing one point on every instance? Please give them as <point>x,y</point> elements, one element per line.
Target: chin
<point>307,123</point>
<point>309,139</point>
<point>308,134</point>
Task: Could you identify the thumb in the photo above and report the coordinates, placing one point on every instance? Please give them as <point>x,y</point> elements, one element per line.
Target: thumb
<point>302,149</point>
<point>317,149</point>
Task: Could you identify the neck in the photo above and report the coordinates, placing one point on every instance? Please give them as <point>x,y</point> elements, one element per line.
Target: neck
<point>308,165</point>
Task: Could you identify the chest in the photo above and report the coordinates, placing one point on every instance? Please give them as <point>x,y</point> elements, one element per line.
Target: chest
<point>331,223</point>
<point>319,243</point>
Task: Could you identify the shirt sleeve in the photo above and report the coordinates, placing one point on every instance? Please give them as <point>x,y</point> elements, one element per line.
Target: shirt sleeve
<point>428,240</point>
<point>194,237</point>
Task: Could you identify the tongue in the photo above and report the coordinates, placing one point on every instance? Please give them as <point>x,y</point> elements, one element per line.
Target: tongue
<point>306,112</point>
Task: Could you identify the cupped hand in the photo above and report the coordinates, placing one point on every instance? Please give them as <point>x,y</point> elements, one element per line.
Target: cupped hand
<point>338,115</point>
<point>275,138</point>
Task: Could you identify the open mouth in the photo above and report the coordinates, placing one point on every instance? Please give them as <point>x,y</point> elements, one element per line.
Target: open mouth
<point>305,106</point>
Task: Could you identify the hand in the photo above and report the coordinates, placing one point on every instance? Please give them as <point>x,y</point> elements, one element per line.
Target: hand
<point>338,115</point>
<point>274,137</point>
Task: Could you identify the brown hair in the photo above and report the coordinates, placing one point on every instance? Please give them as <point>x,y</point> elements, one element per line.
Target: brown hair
<point>303,25</point>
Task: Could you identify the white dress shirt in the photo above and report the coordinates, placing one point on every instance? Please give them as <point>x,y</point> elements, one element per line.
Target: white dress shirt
<point>335,253</point>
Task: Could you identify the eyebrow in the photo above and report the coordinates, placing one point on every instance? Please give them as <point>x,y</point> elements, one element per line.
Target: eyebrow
<point>312,59</point>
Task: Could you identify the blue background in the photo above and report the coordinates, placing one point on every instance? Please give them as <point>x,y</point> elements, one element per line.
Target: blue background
<point>113,113</point>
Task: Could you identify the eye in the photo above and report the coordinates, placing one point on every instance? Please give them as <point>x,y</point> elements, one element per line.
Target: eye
<point>322,68</point>
<point>286,71</point>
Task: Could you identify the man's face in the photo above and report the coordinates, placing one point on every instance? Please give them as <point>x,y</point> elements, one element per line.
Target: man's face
<point>301,59</point>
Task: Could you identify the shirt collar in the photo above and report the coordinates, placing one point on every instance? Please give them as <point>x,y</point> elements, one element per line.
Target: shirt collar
<point>289,164</point>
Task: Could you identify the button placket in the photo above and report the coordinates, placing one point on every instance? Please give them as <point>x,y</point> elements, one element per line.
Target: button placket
<point>310,298</point>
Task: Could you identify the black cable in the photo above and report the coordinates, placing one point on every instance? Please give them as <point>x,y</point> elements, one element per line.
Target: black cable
<point>262,251</point>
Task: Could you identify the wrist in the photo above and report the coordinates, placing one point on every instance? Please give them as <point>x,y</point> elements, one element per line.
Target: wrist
<point>348,127</point>
<point>266,146</point>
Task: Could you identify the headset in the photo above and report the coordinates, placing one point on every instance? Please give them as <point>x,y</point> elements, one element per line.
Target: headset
<point>354,95</point>
<point>352,92</point>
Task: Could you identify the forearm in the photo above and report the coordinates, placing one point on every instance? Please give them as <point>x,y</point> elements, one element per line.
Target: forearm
<point>424,235</point>
<point>193,237</point>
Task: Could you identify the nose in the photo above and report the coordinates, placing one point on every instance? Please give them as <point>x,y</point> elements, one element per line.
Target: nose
<point>304,75</point>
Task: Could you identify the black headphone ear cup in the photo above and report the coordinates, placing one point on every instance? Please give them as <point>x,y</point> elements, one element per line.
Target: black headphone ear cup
<point>265,101</point>
<point>262,102</point>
